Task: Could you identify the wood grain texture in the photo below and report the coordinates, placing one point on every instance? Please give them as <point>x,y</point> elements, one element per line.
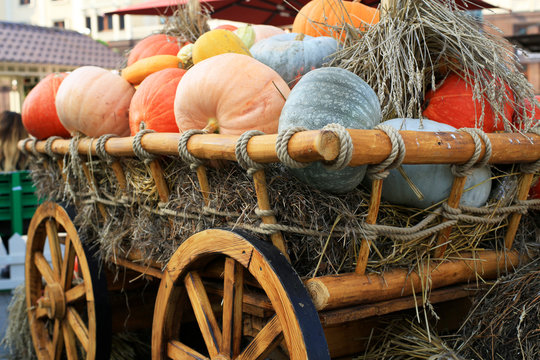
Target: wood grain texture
<point>370,147</point>
<point>336,291</point>
<point>371,218</point>
<point>513,224</point>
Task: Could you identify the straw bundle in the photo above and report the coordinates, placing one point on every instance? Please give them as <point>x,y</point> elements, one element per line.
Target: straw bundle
<point>503,322</point>
<point>418,43</point>
<point>188,22</point>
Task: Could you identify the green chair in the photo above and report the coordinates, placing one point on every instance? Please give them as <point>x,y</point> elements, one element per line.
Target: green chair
<point>18,202</point>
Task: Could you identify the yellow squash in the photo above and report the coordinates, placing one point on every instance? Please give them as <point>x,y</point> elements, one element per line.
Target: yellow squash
<point>216,42</point>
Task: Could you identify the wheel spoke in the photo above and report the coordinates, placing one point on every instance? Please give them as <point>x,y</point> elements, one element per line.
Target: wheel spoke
<point>178,351</point>
<point>77,325</point>
<point>57,341</point>
<point>41,313</point>
<point>232,307</point>
<point>68,265</point>
<point>44,268</point>
<point>69,341</point>
<point>54,245</point>
<point>76,293</point>
<point>266,340</point>
<point>203,312</point>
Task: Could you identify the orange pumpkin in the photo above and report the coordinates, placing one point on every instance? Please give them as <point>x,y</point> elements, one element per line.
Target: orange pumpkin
<point>234,104</point>
<point>316,17</point>
<point>452,103</point>
<point>95,102</point>
<point>39,115</point>
<point>153,102</point>
<point>156,44</point>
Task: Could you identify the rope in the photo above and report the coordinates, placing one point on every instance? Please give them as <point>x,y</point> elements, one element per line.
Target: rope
<point>346,147</point>
<point>24,150</point>
<point>531,168</point>
<point>183,151</point>
<point>138,149</point>
<point>394,160</point>
<point>100,148</point>
<point>282,143</point>
<point>467,168</point>
<point>242,156</point>
<point>48,147</point>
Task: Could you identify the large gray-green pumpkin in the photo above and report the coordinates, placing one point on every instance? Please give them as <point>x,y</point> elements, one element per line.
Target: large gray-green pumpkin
<point>293,55</point>
<point>434,181</point>
<point>324,96</point>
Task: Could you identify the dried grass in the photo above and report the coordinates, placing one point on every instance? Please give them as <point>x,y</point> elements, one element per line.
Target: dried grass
<point>418,43</point>
<point>188,22</point>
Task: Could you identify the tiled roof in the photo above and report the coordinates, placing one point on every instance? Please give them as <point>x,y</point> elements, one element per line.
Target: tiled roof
<point>31,44</point>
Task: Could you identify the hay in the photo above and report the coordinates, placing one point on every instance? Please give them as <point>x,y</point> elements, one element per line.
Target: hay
<point>18,339</point>
<point>505,317</point>
<point>418,43</point>
<point>400,338</point>
<point>323,231</point>
<point>188,22</point>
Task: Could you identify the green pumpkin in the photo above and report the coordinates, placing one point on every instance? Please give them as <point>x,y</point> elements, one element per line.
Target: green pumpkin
<point>324,96</point>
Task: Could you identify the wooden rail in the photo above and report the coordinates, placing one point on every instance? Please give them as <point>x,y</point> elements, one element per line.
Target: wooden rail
<point>370,146</point>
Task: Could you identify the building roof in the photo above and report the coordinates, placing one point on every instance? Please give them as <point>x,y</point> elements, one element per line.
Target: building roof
<point>31,44</point>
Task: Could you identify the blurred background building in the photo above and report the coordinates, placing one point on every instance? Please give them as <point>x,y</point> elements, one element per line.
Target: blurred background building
<point>519,21</point>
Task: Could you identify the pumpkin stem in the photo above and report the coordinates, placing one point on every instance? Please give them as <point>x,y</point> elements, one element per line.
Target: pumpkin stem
<point>212,126</point>
<point>300,37</point>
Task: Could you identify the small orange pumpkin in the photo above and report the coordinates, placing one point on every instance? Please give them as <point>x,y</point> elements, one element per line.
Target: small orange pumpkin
<point>234,104</point>
<point>153,102</point>
<point>38,114</point>
<point>452,103</point>
<point>156,44</point>
<point>317,16</point>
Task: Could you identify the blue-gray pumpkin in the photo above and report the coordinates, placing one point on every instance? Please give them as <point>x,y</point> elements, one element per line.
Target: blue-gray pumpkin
<point>331,95</point>
<point>433,181</point>
<point>293,55</point>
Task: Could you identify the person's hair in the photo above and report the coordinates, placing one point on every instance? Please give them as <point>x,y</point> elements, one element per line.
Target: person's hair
<point>11,131</point>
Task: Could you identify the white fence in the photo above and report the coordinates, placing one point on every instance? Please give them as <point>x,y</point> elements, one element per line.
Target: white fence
<point>15,260</point>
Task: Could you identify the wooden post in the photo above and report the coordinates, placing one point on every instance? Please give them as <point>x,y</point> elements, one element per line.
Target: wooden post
<point>263,202</point>
<point>373,211</point>
<point>203,183</point>
<point>159,179</point>
<point>119,174</point>
<point>453,201</point>
<point>337,291</point>
<point>91,181</point>
<point>511,229</point>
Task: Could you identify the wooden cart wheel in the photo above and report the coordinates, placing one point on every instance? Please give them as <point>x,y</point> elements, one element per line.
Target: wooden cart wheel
<point>292,330</point>
<point>66,303</point>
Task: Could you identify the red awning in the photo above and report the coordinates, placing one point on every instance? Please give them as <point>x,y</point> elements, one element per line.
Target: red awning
<point>271,12</point>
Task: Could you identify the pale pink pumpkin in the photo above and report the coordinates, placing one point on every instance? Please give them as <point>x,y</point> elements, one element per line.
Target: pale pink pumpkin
<point>232,92</point>
<point>95,102</point>
<point>266,31</point>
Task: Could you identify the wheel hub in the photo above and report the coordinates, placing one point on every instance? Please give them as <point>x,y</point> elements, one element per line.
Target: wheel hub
<point>54,301</point>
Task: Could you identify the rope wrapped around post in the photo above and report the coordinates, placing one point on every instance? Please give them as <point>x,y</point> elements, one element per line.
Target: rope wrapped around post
<point>100,148</point>
<point>282,151</point>
<point>138,149</point>
<point>242,156</point>
<point>394,160</point>
<point>466,169</point>
<point>183,151</point>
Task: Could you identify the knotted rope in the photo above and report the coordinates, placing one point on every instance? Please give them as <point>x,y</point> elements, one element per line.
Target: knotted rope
<point>346,147</point>
<point>48,147</point>
<point>100,148</point>
<point>467,168</point>
<point>138,149</point>
<point>242,156</point>
<point>183,151</point>
<point>394,159</point>
<point>25,141</point>
<point>282,143</point>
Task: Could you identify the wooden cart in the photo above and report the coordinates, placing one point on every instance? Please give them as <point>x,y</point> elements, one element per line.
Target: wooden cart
<point>226,293</point>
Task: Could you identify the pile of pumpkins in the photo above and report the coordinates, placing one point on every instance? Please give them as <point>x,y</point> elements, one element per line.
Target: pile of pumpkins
<point>231,80</point>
